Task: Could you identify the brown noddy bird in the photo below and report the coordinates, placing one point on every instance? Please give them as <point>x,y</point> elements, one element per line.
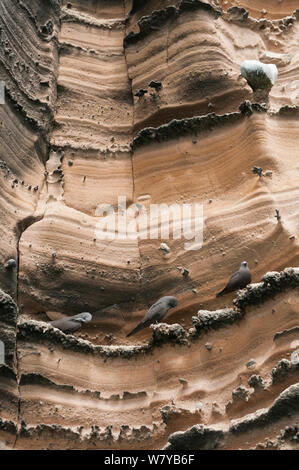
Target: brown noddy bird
<point>239,280</point>
<point>71,324</point>
<point>156,313</point>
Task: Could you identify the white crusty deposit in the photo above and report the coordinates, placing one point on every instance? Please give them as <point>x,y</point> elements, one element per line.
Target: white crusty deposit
<point>259,75</point>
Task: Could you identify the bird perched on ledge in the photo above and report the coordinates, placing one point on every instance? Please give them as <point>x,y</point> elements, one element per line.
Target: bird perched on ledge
<point>140,92</point>
<point>239,280</point>
<point>71,324</point>
<point>156,313</point>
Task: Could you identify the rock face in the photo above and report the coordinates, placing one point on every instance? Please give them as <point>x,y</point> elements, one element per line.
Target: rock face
<point>198,437</point>
<point>8,327</point>
<point>145,101</point>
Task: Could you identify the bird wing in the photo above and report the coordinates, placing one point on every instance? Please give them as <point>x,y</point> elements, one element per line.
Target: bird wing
<point>66,324</point>
<point>234,281</point>
<point>156,312</point>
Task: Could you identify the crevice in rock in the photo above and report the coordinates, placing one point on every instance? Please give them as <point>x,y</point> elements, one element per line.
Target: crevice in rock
<point>41,380</point>
<point>286,332</point>
<point>286,402</point>
<point>43,131</point>
<point>131,150</point>
<point>17,424</point>
<point>20,229</point>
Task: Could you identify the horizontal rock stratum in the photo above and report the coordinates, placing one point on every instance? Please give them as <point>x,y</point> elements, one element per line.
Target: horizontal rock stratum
<point>146,100</point>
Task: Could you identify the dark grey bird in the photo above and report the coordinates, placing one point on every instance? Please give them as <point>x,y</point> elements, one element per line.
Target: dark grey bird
<point>71,324</point>
<point>140,92</point>
<point>156,313</point>
<point>156,85</point>
<point>239,280</point>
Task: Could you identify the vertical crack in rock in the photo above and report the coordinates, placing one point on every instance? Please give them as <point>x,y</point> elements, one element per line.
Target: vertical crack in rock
<point>175,366</point>
<point>8,371</point>
<point>39,212</point>
<point>131,149</point>
<point>18,426</point>
<point>43,130</point>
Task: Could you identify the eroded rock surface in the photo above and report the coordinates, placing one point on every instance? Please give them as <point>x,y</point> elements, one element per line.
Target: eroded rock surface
<point>145,100</point>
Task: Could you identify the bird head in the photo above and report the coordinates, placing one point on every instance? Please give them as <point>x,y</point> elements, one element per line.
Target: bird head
<point>173,302</point>
<point>83,317</point>
<point>244,264</point>
<point>11,263</point>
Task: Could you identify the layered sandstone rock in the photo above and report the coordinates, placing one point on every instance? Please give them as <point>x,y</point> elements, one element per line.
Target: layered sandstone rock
<point>74,135</point>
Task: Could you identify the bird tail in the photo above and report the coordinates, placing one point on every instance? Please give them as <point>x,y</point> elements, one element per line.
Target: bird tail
<point>222,292</point>
<point>136,329</point>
